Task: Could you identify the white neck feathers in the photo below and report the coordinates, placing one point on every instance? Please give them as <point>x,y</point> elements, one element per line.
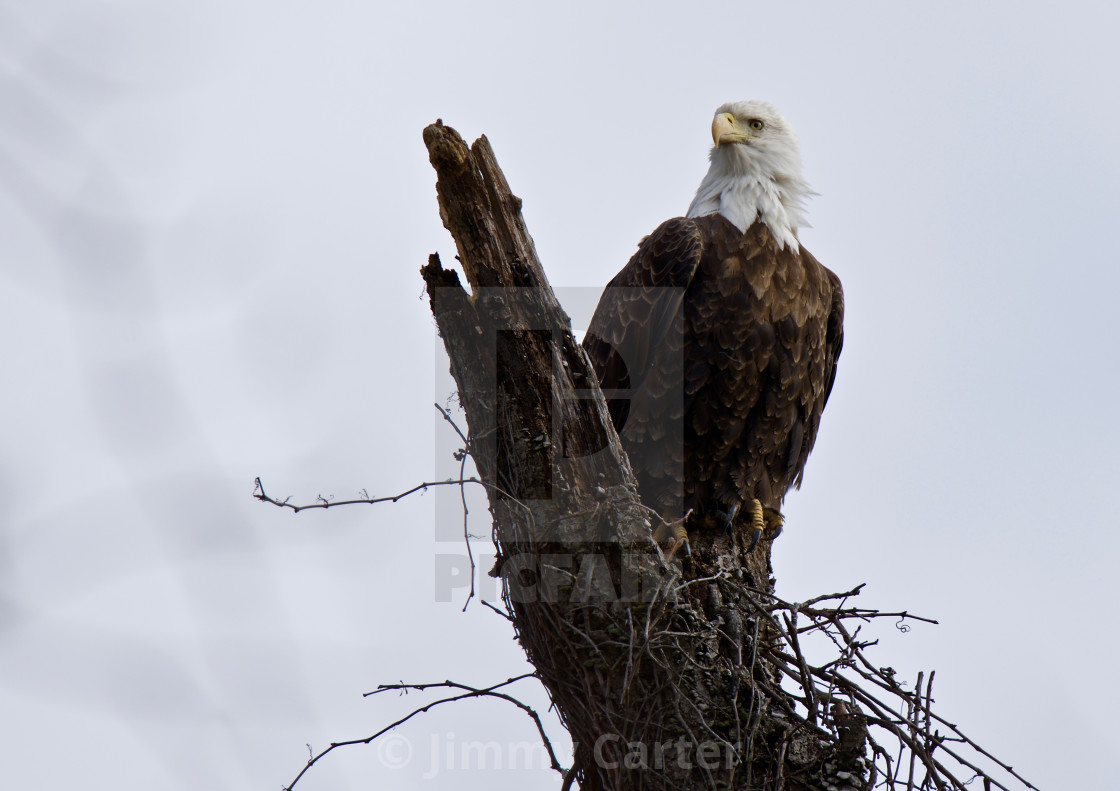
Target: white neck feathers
<point>744,184</point>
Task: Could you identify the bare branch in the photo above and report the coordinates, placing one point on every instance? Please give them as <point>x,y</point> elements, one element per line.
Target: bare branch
<point>259,494</point>
<point>469,692</point>
<point>476,692</point>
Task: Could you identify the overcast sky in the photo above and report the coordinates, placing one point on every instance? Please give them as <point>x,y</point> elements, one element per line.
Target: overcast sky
<point>212,216</point>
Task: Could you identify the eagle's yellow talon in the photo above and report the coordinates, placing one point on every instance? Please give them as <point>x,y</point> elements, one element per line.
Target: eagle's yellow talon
<point>758,522</point>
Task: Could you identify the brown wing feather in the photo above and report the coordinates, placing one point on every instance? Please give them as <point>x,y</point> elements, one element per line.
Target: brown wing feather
<point>636,312</point>
<point>822,344</point>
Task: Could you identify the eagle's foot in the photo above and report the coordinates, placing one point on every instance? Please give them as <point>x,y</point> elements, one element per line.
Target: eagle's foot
<point>766,523</point>
<point>673,538</point>
<point>758,523</point>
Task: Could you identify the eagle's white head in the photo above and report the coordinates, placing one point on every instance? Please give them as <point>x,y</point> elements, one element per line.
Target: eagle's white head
<point>755,171</point>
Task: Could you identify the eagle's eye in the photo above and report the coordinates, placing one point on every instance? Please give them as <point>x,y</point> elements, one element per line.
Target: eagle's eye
<point>755,124</point>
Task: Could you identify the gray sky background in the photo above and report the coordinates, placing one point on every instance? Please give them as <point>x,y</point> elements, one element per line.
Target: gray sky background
<point>212,216</point>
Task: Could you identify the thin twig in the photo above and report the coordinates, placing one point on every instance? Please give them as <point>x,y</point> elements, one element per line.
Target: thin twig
<point>462,457</point>
<point>259,493</point>
<point>469,692</point>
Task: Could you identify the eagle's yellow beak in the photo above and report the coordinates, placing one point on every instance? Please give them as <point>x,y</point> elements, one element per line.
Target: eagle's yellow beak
<point>725,130</point>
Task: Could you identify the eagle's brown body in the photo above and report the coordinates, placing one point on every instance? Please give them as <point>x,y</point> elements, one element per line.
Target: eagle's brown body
<point>717,351</point>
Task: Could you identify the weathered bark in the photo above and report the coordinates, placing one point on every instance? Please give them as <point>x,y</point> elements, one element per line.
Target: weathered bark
<point>653,668</point>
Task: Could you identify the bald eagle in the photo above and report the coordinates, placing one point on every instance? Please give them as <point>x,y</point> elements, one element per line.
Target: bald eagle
<point>716,345</point>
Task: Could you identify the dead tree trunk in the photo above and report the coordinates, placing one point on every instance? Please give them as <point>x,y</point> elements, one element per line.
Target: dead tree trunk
<point>655,670</point>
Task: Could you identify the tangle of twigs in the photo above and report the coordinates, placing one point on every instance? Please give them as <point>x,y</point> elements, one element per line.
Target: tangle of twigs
<point>849,685</point>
